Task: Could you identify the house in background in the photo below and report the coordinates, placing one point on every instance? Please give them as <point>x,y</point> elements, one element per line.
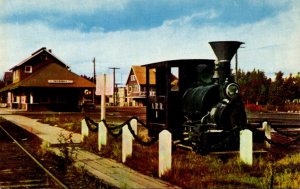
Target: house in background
<point>136,86</point>
<point>43,82</point>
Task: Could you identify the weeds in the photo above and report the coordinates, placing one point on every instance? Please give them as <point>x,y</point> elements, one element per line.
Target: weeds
<point>189,170</point>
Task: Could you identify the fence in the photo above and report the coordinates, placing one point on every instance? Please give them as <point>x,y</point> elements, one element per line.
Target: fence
<point>128,130</point>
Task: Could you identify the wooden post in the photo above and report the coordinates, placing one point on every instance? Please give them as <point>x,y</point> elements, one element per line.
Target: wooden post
<point>84,130</point>
<point>102,135</point>
<point>126,143</point>
<point>103,110</point>
<point>246,146</point>
<point>165,152</point>
<point>267,129</point>
<point>31,98</point>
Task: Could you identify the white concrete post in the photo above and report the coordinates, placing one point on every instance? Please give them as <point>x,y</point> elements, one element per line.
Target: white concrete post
<point>246,146</point>
<point>267,129</point>
<point>126,143</point>
<point>102,135</point>
<point>84,130</point>
<point>133,124</point>
<point>165,152</point>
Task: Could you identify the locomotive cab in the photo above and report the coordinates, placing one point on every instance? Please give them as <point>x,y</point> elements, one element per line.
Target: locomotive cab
<point>166,83</point>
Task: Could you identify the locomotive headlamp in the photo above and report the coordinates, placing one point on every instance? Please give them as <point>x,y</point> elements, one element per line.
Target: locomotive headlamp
<point>232,89</point>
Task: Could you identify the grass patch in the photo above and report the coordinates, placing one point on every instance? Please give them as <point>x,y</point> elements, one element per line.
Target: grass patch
<point>189,170</point>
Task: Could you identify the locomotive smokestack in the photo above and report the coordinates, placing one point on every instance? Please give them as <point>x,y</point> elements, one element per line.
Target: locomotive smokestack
<point>224,50</point>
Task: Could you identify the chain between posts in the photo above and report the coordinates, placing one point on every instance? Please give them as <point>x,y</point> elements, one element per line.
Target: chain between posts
<point>270,141</point>
<point>93,126</point>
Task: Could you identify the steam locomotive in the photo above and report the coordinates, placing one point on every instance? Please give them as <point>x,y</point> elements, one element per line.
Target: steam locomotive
<point>197,100</point>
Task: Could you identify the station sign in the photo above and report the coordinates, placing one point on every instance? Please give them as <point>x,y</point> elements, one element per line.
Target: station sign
<point>60,81</point>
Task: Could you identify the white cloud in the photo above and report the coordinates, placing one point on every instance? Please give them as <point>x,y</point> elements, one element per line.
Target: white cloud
<point>195,17</point>
<point>271,45</point>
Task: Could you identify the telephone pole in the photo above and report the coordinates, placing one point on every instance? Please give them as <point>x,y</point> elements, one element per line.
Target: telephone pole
<point>94,61</point>
<point>94,79</point>
<point>114,83</point>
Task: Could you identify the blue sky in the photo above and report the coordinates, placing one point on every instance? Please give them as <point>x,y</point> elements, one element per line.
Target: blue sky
<point>122,33</point>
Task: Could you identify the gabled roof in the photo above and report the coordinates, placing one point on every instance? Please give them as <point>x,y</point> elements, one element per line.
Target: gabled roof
<point>36,53</point>
<point>140,75</point>
<point>52,75</point>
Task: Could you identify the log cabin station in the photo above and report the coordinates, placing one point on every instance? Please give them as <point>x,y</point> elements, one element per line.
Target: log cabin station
<point>42,82</point>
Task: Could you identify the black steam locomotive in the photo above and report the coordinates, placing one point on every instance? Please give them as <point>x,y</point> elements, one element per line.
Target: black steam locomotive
<point>197,99</point>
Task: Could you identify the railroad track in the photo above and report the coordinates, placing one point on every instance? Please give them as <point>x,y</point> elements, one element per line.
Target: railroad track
<point>283,120</point>
<point>18,167</point>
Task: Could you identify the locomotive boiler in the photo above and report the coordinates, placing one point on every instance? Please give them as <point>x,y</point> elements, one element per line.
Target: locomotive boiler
<point>197,100</point>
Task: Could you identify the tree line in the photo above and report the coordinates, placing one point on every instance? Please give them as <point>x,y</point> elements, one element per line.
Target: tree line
<point>257,88</point>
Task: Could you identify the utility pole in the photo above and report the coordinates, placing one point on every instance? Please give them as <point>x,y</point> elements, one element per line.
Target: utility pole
<point>114,83</point>
<point>94,61</point>
<point>236,67</point>
<point>236,64</point>
<point>94,79</point>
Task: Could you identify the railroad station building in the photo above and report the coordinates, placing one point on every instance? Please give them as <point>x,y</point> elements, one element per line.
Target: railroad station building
<point>43,82</point>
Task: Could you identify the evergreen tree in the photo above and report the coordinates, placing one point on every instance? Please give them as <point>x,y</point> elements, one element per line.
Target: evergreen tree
<point>277,92</point>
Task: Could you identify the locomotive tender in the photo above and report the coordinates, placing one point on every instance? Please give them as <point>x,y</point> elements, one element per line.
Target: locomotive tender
<point>197,100</point>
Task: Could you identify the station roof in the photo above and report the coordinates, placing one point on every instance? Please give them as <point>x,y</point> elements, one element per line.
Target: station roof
<point>36,53</point>
<point>52,75</point>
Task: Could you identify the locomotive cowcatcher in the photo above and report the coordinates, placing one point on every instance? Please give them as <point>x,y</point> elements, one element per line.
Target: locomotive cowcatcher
<point>197,100</point>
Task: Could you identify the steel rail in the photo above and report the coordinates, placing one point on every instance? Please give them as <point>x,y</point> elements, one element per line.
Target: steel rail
<point>35,160</point>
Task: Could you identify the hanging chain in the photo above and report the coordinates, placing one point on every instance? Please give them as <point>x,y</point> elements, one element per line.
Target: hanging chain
<point>272,142</point>
<point>116,130</point>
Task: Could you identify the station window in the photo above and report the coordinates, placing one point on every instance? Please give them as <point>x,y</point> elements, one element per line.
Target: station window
<point>52,98</point>
<point>174,79</point>
<point>28,69</point>
<point>44,56</point>
<point>15,99</point>
<point>136,88</point>
<point>61,99</point>
<point>129,88</point>
<point>132,78</point>
<point>44,99</point>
